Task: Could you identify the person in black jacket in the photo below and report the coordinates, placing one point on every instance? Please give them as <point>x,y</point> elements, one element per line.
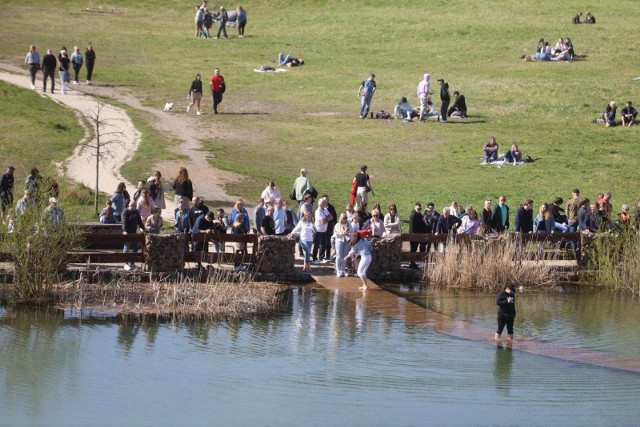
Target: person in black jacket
<point>223,17</point>
<point>195,94</point>
<point>6,191</point>
<point>459,107</point>
<point>500,216</point>
<point>131,220</point>
<point>445,97</point>
<point>90,58</point>
<point>430,218</point>
<point>506,302</point>
<point>418,226</point>
<point>183,187</point>
<point>524,217</point>
<point>198,208</point>
<point>49,64</point>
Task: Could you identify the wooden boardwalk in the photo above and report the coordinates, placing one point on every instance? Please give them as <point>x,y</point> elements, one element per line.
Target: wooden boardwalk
<point>388,304</point>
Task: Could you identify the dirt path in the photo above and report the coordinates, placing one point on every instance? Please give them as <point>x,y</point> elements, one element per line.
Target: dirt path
<point>208,182</point>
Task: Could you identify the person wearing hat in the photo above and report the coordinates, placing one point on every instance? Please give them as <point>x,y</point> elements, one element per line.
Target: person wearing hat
<point>54,213</point>
<point>506,302</point>
<point>445,97</point>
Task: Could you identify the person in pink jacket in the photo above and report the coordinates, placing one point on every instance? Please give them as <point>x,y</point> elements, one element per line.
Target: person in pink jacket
<point>423,94</point>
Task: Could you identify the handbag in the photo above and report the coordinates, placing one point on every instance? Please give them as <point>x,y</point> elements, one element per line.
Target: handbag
<point>292,195</point>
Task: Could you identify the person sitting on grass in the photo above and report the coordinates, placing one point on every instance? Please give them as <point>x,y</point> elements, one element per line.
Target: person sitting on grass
<point>609,116</point>
<point>459,107</point>
<point>589,19</point>
<point>545,52</point>
<point>491,150</point>
<point>576,18</point>
<point>628,114</point>
<point>404,110</point>
<point>514,155</point>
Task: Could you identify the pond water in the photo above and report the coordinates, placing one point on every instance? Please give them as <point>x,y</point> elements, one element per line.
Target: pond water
<point>327,361</point>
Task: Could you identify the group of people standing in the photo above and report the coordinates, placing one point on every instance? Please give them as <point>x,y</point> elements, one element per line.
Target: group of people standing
<point>204,20</point>
<point>404,110</point>
<point>63,62</point>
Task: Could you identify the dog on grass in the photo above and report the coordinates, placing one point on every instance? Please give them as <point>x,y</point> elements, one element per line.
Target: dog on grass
<point>168,106</point>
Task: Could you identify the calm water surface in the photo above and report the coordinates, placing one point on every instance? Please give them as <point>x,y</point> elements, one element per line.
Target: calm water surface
<point>327,361</point>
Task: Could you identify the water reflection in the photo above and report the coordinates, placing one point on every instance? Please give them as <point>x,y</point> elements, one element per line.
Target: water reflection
<point>502,368</point>
<point>333,359</point>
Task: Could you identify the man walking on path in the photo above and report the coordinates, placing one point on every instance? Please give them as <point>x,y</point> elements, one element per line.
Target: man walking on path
<point>217,88</point>
<point>423,95</point>
<point>49,64</point>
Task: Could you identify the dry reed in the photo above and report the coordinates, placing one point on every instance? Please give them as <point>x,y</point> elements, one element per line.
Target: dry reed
<point>488,264</point>
<point>223,296</point>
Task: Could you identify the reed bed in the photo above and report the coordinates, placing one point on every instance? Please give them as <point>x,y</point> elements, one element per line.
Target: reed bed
<point>225,295</point>
<point>614,261</point>
<point>490,264</point>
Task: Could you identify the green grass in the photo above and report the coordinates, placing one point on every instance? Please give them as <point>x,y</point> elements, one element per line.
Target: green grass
<point>307,117</point>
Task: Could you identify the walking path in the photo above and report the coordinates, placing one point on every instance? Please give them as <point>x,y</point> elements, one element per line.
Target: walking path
<point>81,166</point>
<point>388,304</point>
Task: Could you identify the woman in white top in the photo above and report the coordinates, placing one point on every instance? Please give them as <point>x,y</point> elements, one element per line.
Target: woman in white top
<point>306,230</point>
<point>341,233</point>
<point>392,221</point>
<point>361,247</point>
<point>376,224</point>
<point>271,193</point>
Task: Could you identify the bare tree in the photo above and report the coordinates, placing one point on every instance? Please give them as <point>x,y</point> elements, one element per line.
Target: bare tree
<point>106,136</point>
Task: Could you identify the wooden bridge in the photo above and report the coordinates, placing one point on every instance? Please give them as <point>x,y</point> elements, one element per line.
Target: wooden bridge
<point>379,300</point>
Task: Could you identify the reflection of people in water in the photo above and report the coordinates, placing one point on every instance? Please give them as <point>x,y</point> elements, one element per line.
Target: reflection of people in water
<point>506,302</point>
<point>502,368</point>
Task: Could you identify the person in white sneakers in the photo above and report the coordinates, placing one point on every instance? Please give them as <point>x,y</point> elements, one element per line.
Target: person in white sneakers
<point>195,93</point>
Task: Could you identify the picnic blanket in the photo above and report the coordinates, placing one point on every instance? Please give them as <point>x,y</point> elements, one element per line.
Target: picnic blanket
<point>275,70</point>
<point>502,162</point>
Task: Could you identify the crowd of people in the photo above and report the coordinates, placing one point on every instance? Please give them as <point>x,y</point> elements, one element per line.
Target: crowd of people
<point>562,51</point>
<point>64,62</point>
<point>404,110</point>
<point>37,190</point>
<point>205,19</point>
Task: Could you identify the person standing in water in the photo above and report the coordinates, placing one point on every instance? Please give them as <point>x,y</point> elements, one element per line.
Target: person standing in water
<point>506,302</point>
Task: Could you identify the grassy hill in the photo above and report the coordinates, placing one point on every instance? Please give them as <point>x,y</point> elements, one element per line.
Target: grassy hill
<point>308,117</point>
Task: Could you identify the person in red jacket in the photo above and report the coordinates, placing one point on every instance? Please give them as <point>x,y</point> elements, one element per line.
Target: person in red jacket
<point>217,89</point>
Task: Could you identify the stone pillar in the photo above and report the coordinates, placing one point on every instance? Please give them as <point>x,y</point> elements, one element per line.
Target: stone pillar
<point>275,254</point>
<point>386,252</point>
<point>164,252</point>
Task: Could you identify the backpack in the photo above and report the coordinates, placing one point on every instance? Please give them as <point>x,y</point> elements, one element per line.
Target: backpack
<point>383,115</point>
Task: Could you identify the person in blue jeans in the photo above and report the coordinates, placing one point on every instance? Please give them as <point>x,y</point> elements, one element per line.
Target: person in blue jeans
<point>366,91</point>
<point>223,17</point>
<point>131,220</point>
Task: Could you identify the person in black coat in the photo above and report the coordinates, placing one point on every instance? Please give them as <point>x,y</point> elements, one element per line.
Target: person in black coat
<point>524,217</point>
<point>445,98</point>
<point>430,218</point>
<point>418,226</point>
<point>131,220</point>
<point>500,216</point>
<point>506,302</point>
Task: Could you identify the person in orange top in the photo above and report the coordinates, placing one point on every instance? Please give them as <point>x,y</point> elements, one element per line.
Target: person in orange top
<point>217,89</point>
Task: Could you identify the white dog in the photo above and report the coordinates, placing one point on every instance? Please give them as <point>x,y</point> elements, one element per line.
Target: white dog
<point>168,106</point>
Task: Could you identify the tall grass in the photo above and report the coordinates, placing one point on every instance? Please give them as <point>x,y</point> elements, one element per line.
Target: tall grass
<point>225,295</point>
<point>487,264</point>
<point>40,251</point>
<point>614,261</point>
